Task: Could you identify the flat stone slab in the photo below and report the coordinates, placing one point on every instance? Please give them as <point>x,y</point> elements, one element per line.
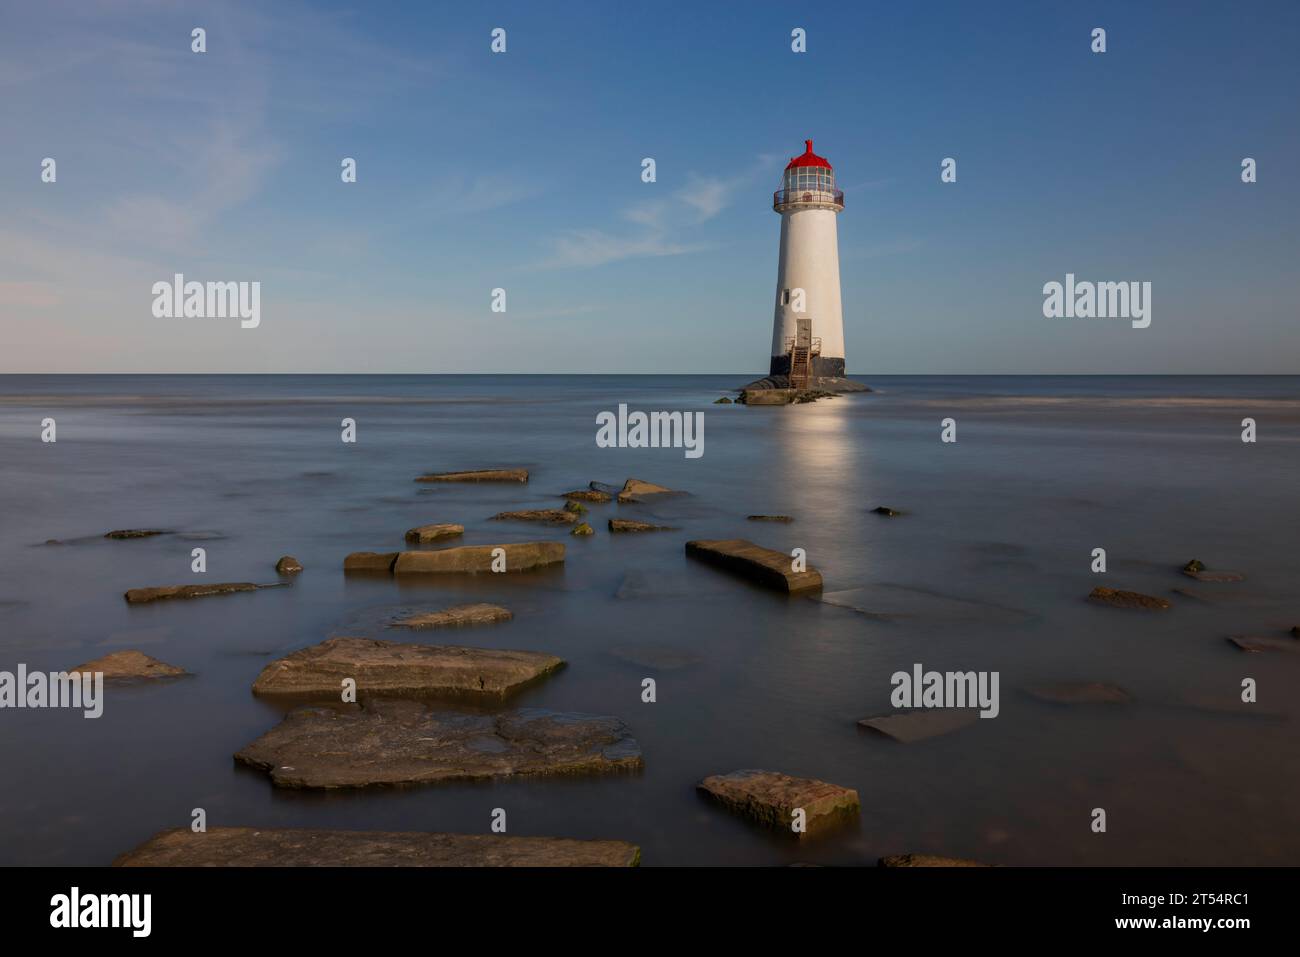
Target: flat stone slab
<point>1079,692</point>
<point>402,742</point>
<point>318,847</point>
<point>770,797</point>
<point>130,664</point>
<point>370,561</point>
<point>912,726</point>
<point>627,525</point>
<point>477,475</point>
<point>764,566</point>
<point>1258,643</point>
<point>137,596</point>
<point>469,559</point>
<point>926,860</point>
<point>136,532</point>
<point>551,516</point>
<point>387,667</point>
<point>635,490</point>
<point>456,616</point>
<point>423,534</point>
<point>589,495</point>
<point>1127,599</point>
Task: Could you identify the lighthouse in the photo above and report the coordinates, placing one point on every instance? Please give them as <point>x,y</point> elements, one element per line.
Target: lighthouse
<point>808,328</point>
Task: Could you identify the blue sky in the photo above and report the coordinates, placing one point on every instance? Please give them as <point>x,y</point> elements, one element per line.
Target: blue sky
<point>522,171</point>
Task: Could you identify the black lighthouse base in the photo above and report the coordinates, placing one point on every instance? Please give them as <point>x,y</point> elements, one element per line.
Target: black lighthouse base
<point>823,367</point>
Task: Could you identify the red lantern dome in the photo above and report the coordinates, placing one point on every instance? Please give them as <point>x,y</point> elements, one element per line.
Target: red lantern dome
<point>809,158</point>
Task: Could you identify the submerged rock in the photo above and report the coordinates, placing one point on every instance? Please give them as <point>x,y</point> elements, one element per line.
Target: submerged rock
<point>902,603</point>
<point>577,508</point>
<point>402,742</point>
<point>583,529</point>
<point>136,533</point>
<point>761,565</point>
<point>1255,643</point>
<point>589,495</point>
<point>1127,599</point>
<point>769,518</point>
<point>288,565</point>
<point>318,847</point>
<point>1079,692</point>
<point>627,525</point>
<point>911,726</point>
<point>771,798</point>
<point>477,475</point>
<point>130,664</point>
<point>1194,566</point>
<point>635,490</point>
<point>551,516</point>
<point>926,860</point>
<point>423,534</point>
<point>723,401</point>
<point>370,561</point>
<point>470,559</point>
<point>138,595</point>
<point>886,510</point>
<point>390,668</point>
<point>456,616</point>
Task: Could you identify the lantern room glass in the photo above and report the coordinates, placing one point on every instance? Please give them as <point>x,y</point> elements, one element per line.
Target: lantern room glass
<point>817,179</point>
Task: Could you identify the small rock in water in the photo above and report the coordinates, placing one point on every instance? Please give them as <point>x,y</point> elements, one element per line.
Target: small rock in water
<point>551,516</point>
<point>886,510</point>
<point>910,726</point>
<point>926,860</point>
<point>723,401</point>
<point>583,529</point>
<point>628,525</point>
<point>391,668</point>
<point>769,518</point>
<point>370,561</point>
<point>589,495</point>
<point>1127,599</point>
<point>577,508</point>
<point>762,565</point>
<point>456,616</point>
<point>635,490</point>
<point>136,533</point>
<point>423,534</point>
<point>390,742</point>
<point>288,565</point>
<point>130,664</point>
<point>138,595</point>
<point>319,847</point>
<point>478,475</point>
<point>1079,692</point>
<point>1194,566</point>
<point>771,798</point>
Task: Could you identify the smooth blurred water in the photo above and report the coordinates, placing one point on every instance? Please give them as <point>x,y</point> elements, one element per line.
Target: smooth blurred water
<point>1044,471</point>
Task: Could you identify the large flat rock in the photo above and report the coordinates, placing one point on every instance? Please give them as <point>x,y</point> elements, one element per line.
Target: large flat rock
<point>549,516</point>
<point>770,797</point>
<point>635,490</point>
<point>910,726</point>
<point>765,566</point>
<point>457,616</point>
<point>387,667</point>
<point>465,559</point>
<point>370,561</point>
<point>316,847</point>
<point>138,596</point>
<point>628,525</point>
<point>403,742</point>
<point>1118,598</point>
<point>477,475</point>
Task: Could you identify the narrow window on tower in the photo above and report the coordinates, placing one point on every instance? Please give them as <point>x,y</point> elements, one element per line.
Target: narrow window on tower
<point>785,297</point>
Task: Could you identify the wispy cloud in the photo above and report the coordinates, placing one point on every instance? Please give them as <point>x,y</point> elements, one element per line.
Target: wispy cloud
<point>584,248</point>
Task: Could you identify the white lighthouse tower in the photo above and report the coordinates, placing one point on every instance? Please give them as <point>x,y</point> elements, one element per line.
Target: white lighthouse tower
<point>808,330</point>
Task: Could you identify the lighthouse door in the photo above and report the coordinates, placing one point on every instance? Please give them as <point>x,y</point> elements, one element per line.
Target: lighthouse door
<point>801,354</point>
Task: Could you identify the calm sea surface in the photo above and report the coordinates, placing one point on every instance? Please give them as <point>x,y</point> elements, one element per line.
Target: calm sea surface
<point>988,571</point>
